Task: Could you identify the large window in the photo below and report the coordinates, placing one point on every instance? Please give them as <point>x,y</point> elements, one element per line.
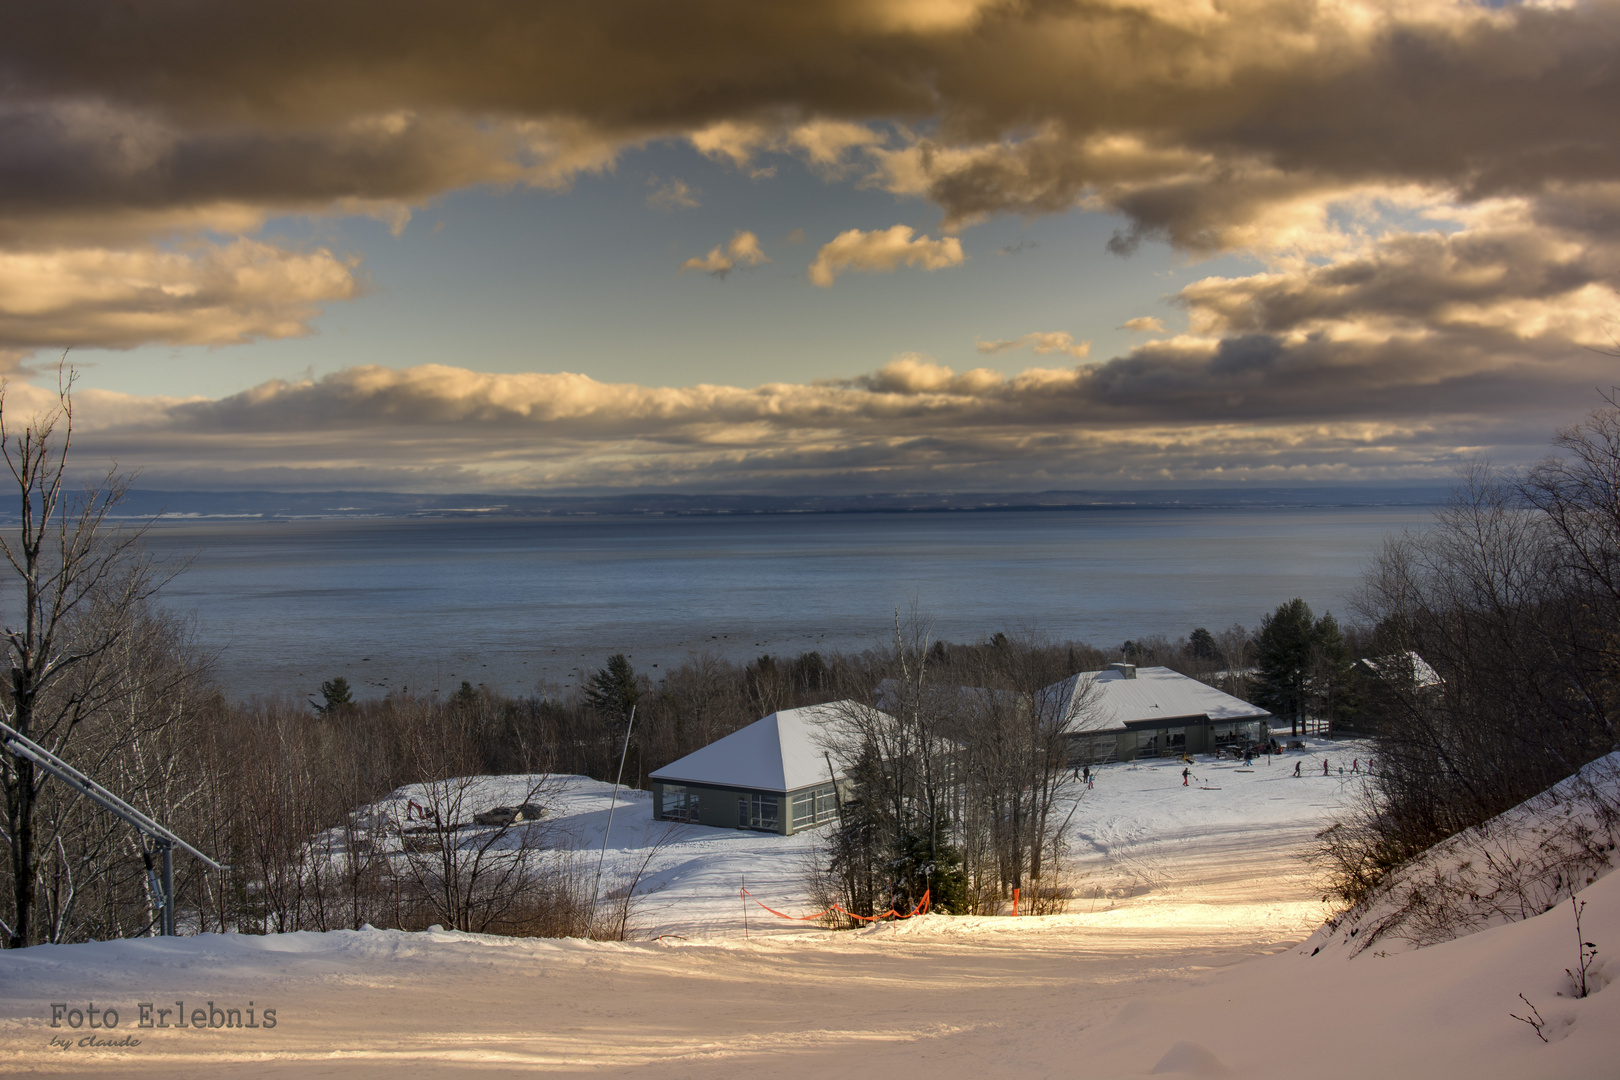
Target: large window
<point>679,803</point>
<point>814,807</point>
<point>758,812</point>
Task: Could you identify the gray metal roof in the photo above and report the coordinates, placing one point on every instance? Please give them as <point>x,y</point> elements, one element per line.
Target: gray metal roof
<point>783,752</point>
<point>1155,693</point>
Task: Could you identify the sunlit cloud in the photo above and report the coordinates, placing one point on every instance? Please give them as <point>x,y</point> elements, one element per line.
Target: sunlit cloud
<point>1431,190</point>
<point>742,250</point>
<point>672,194</point>
<point>203,294</point>
<point>882,251</point>
<point>1044,343</point>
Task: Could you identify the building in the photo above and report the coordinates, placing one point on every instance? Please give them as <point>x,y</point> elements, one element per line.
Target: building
<point>1395,685</point>
<point>1129,712</point>
<point>774,775</point>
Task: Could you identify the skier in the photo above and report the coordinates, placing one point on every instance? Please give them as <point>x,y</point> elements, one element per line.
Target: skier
<point>1185,773</point>
<point>1085,774</point>
<point>1296,767</point>
<point>1355,765</point>
<point>1324,767</point>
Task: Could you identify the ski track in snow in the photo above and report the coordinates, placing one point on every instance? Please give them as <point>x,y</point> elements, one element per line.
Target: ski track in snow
<point>1174,885</point>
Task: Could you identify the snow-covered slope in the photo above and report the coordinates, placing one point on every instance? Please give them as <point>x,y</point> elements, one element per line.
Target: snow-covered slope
<point>1519,864</point>
<point>1169,981</point>
<point>1043,1000</point>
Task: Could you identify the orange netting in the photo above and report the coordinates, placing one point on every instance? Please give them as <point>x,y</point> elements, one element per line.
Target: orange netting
<point>920,909</point>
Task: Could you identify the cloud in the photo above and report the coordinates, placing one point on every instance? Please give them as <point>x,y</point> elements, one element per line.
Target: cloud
<point>822,143</point>
<point>1512,272</point>
<point>1264,397</point>
<point>881,251</point>
<point>1056,342</point>
<point>1144,324</point>
<point>673,194</point>
<point>742,250</point>
<point>200,294</point>
<point>1191,121</point>
<point>138,162</point>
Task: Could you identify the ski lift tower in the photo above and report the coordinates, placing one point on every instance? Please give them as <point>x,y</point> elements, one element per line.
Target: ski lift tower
<point>164,840</point>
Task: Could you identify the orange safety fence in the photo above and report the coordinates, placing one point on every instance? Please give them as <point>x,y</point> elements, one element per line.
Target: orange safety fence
<point>921,909</point>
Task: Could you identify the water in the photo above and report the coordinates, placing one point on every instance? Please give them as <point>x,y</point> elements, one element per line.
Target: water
<point>424,604</point>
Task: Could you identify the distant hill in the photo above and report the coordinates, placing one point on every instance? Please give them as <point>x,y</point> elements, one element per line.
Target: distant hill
<point>329,504</point>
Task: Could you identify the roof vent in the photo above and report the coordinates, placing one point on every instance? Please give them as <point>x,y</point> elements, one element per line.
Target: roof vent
<point>1126,671</point>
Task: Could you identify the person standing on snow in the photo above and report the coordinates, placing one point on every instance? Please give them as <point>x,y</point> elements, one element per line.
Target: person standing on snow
<point>1185,773</point>
<point>1324,766</point>
<point>1296,768</point>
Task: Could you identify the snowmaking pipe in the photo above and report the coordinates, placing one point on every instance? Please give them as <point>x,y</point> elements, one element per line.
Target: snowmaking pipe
<point>596,886</point>
<point>19,745</point>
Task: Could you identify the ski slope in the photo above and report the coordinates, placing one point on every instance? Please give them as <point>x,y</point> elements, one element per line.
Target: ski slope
<point>1184,960</point>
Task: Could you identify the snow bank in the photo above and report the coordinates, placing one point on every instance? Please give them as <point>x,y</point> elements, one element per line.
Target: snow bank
<point>1445,1011</point>
<point>1521,863</point>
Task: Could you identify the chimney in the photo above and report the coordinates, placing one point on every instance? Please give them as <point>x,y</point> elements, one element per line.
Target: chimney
<point>1126,671</point>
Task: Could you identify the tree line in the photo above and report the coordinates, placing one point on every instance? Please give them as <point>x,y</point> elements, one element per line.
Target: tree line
<point>1512,597</point>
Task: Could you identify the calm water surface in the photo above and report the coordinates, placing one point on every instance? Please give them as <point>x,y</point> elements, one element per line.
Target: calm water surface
<point>516,602</point>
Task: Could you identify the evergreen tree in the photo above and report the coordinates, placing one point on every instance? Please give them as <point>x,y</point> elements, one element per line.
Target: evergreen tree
<point>1305,667</point>
<point>1202,645</point>
<point>335,696</point>
<point>613,690</point>
<point>1335,691</point>
<point>930,864</point>
<point>1284,657</point>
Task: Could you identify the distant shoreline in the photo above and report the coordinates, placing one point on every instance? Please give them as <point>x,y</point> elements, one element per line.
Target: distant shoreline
<point>370,505</point>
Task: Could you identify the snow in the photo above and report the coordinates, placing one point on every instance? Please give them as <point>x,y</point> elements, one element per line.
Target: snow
<point>1155,693</point>
<point>783,752</point>
<point>1219,852</point>
<point>1520,863</point>
<point>1184,961</point>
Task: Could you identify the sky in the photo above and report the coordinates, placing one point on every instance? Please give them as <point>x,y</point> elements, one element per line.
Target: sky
<point>829,246</point>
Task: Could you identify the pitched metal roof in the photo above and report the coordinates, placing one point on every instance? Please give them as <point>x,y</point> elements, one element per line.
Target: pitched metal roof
<point>1402,666</point>
<point>1155,693</point>
<point>783,752</point>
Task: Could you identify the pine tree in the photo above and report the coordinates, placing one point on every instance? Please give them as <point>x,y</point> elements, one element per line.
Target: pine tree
<point>1202,645</point>
<point>613,690</point>
<point>1305,667</point>
<point>1284,658</point>
<point>335,696</point>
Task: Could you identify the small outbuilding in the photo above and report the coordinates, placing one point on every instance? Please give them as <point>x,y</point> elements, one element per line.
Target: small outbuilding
<point>773,775</point>
<point>1129,712</point>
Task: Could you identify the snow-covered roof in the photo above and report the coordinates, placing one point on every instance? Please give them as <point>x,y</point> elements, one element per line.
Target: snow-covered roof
<point>1155,693</point>
<point>1396,665</point>
<point>779,753</point>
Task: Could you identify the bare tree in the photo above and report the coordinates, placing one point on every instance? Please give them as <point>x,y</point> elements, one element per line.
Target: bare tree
<point>77,585</point>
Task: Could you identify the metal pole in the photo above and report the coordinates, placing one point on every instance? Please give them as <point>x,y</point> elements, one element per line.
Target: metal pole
<point>596,887</point>
<point>168,889</point>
